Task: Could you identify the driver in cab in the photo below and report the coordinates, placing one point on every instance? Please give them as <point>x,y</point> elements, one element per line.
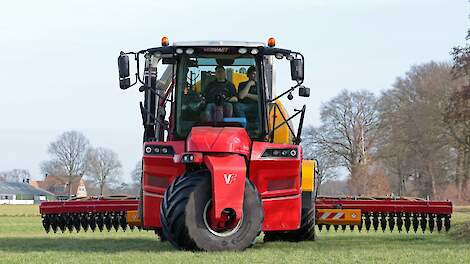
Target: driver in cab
<point>219,94</point>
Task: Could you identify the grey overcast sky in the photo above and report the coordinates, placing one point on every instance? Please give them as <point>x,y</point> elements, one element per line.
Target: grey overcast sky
<point>58,67</point>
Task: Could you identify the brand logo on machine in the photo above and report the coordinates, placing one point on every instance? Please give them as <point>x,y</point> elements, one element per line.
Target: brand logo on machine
<point>230,178</point>
<point>215,49</point>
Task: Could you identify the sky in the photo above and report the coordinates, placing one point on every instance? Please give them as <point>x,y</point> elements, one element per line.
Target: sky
<point>58,69</point>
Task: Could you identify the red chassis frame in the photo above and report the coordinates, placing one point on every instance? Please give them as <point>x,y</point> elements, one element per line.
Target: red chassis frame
<point>226,153</point>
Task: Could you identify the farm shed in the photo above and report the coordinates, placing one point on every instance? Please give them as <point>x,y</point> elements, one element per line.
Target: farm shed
<point>22,193</point>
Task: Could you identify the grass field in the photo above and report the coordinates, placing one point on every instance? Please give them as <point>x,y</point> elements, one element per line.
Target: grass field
<point>22,240</point>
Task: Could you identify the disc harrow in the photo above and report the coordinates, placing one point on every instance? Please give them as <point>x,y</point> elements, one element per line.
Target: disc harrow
<point>384,213</point>
<point>92,213</point>
<point>86,221</point>
<point>400,214</point>
<point>406,222</point>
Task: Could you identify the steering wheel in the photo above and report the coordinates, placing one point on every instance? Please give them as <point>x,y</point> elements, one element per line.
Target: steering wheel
<point>220,99</point>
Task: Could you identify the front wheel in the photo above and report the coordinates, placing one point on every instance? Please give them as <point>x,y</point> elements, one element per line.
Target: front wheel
<point>186,222</point>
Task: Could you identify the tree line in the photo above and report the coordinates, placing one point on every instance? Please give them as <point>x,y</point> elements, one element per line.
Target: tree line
<point>412,139</point>
<point>72,155</point>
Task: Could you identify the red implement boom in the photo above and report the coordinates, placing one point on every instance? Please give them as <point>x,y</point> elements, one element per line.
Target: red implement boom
<point>375,212</point>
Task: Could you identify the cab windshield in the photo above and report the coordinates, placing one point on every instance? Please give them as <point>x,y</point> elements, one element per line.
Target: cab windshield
<point>215,89</point>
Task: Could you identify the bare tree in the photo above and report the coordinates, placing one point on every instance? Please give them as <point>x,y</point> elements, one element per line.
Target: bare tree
<point>327,163</point>
<point>52,167</point>
<point>458,114</point>
<point>461,59</point>
<point>15,175</point>
<point>349,131</point>
<point>103,166</point>
<point>136,173</point>
<point>68,155</point>
<point>415,142</point>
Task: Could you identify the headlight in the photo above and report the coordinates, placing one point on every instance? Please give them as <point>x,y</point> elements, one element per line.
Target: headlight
<point>280,153</point>
<point>159,150</point>
<point>148,150</point>
<point>242,50</point>
<point>187,158</point>
<point>293,153</point>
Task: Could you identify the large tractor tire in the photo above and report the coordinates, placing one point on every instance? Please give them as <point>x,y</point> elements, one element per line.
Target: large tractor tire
<point>306,232</point>
<point>159,234</point>
<point>184,218</point>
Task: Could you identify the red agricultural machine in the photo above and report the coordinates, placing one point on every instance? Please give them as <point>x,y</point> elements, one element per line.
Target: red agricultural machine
<point>221,159</point>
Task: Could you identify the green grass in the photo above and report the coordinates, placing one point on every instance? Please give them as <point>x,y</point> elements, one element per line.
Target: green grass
<point>22,240</point>
<point>18,210</point>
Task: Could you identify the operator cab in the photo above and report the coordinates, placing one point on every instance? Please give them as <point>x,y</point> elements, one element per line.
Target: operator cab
<point>205,84</point>
<point>214,83</point>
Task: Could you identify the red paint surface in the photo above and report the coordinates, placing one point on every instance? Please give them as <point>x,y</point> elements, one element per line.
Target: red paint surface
<point>282,206</point>
<point>219,140</point>
<point>87,206</point>
<point>164,167</point>
<point>228,183</point>
<point>264,170</point>
<point>386,205</point>
<point>282,213</point>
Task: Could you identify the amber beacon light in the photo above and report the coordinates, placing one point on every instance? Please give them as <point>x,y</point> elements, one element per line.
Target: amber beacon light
<point>271,42</point>
<point>165,41</point>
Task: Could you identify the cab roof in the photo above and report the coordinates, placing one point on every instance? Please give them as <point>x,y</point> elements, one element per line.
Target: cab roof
<point>228,43</point>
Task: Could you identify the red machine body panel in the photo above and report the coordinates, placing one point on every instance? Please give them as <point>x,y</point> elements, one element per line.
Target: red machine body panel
<point>159,171</point>
<point>226,150</point>
<point>219,140</point>
<point>228,183</point>
<point>278,182</point>
<point>282,213</point>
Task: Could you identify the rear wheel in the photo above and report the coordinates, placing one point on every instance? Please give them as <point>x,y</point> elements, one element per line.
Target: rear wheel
<point>185,216</point>
<point>306,232</point>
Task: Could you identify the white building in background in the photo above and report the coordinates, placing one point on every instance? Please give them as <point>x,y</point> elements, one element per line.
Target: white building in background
<point>22,193</point>
<point>60,186</point>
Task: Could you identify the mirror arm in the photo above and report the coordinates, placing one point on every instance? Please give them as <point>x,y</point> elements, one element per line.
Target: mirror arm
<point>286,122</point>
<point>301,123</point>
<point>134,81</point>
<point>284,93</point>
<point>136,58</point>
<point>137,55</point>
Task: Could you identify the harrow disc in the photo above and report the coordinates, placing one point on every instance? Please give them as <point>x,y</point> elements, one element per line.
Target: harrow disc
<point>407,221</point>
<point>86,221</point>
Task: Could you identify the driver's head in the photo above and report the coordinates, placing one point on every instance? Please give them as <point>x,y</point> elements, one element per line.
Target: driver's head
<point>220,73</point>
<point>251,73</point>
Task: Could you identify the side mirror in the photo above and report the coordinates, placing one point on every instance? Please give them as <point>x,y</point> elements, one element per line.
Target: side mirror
<point>297,70</point>
<point>304,91</point>
<point>123,65</point>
